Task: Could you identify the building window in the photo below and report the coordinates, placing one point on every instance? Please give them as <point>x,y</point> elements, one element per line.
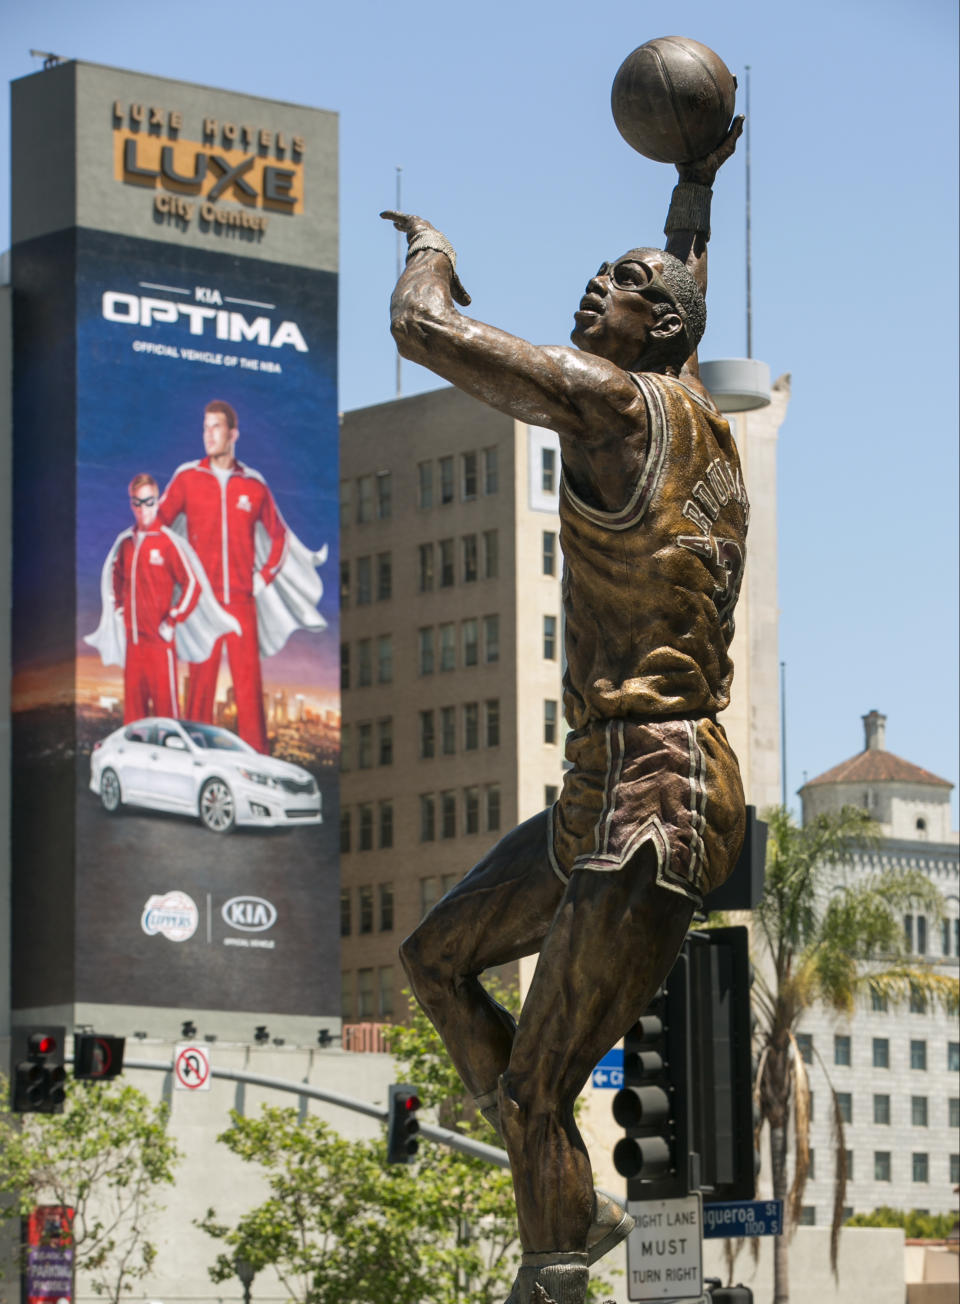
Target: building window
<point>384,576</point>
<point>492,710</point>
<point>346,924</point>
<point>346,995</point>
<point>549,638</point>
<point>550,794</point>
<point>471,642</point>
<point>448,647</point>
<point>808,1215</point>
<point>365,908</point>
<point>346,747</point>
<point>428,818</point>
<point>549,552</point>
<point>468,547</point>
<point>425,484</point>
<point>429,894</point>
<point>448,730</point>
<point>918,1111</point>
<point>344,666</point>
<point>491,554</point>
<point>425,640</point>
<point>493,807</point>
<point>918,1054</point>
<point>364,663</point>
<point>344,584</point>
<point>953,1057</point>
<point>365,994</point>
<point>881,1165</point>
<point>386,907</point>
<point>385,741</point>
<point>805,1046</point>
<point>849,1165</point>
<point>812,1170</point>
<point>386,825</point>
<point>879,1003</point>
<point>491,639</point>
<point>448,814</point>
<point>921,825</point>
<point>918,1002</point>
<point>471,810</point>
<point>921,935</point>
<point>446,480</point>
<point>447,572</point>
<point>953,1112</point>
<point>945,936</point>
<point>549,721</point>
<point>345,830</point>
<point>845,1106</point>
<point>810,1106</point>
<point>365,499</point>
<point>385,659</point>
<point>881,1053</point>
<point>425,568</point>
<point>468,470</point>
<point>491,474</point>
<point>841,1050</point>
<point>346,501</point>
<point>921,1167</point>
<point>364,581</point>
<point>954,1170</point>
<point>908,930</point>
<point>548,470</point>
<point>471,726</point>
<point>365,827</point>
<point>881,1111</point>
<point>385,983</point>
<point>384,495</point>
<point>364,746</point>
<point>427,735</point>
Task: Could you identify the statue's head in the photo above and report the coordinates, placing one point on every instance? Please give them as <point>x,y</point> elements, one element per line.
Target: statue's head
<point>644,311</point>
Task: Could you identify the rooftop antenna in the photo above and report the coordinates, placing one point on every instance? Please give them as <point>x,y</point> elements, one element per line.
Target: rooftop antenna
<point>749,258</point>
<point>50,60</point>
<point>400,247</point>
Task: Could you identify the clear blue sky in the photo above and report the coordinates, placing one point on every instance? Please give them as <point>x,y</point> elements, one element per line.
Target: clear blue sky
<point>499,115</point>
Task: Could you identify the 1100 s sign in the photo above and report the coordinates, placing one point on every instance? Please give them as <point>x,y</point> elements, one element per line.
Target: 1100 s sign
<point>204,771</point>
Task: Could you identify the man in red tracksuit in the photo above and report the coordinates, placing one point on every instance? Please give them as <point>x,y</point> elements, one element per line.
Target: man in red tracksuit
<point>223,502</point>
<point>146,572</point>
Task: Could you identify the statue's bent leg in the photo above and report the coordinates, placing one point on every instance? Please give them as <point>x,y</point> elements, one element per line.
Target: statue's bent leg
<point>499,912</point>
<point>613,940</point>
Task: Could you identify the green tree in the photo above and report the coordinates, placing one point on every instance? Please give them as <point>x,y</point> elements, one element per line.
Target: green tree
<point>340,1223</point>
<point>917,1224</point>
<point>104,1156</point>
<point>824,932</point>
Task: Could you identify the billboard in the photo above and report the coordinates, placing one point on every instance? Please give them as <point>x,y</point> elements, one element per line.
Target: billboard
<point>176,651</point>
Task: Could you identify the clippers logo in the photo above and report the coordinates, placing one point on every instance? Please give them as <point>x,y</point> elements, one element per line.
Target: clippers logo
<point>249,914</point>
<point>156,558</point>
<point>174,914</point>
<point>243,503</point>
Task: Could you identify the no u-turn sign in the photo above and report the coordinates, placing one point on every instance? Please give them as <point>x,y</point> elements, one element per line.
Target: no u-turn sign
<point>191,1068</point>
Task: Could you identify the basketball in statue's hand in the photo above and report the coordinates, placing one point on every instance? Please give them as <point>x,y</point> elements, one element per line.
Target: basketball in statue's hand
<point>673,99</point>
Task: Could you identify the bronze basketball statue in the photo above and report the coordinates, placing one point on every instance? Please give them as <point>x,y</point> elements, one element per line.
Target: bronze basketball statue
<point>651,815</point>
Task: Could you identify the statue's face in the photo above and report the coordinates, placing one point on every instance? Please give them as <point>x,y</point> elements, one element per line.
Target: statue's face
<point>617,317</point>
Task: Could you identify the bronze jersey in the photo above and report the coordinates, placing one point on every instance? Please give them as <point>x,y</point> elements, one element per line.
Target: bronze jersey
<point>649,591</point>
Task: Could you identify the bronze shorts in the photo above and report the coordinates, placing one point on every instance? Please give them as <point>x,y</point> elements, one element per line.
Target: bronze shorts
<point>672,783</point>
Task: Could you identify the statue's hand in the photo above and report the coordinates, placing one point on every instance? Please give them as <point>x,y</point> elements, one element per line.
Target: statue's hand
<point>421,234</point>
<point>702,171</point>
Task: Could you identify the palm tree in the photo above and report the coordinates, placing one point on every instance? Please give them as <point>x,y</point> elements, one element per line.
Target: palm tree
<point>824,933</point>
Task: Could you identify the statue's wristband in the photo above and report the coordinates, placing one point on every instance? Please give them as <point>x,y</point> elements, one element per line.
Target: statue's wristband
<point>432,239</point>
<point>689,209</point>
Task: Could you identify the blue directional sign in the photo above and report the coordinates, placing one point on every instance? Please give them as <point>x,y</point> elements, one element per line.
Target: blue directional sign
<point>609,1072</point>
<point>743,1218</point>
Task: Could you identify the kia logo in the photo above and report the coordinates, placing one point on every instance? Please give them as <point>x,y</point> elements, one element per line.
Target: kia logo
<point>250,914</point>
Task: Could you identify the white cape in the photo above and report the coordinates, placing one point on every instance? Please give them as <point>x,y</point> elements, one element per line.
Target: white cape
<point>291,601</point>
<point>194,637</point>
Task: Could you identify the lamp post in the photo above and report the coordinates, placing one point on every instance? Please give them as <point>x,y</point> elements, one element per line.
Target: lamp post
<point>246,1272</point>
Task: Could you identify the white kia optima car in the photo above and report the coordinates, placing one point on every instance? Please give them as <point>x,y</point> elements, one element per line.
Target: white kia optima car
<point>200,770</point>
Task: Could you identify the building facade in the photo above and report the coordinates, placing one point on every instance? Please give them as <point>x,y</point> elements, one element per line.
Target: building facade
<point>452,656</point>
<point>896,1068</point>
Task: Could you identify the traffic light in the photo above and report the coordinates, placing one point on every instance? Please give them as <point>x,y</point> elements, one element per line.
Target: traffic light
<point>402,1126</point>
<point>95,1057</point>
<point>38,1072</point>
<point>654,1104</point>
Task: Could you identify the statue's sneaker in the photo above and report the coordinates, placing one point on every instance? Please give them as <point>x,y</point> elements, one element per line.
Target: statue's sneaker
<point>611,1224</point>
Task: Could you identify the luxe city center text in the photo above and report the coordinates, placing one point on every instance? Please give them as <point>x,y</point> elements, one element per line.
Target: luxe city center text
<point>215,173</point>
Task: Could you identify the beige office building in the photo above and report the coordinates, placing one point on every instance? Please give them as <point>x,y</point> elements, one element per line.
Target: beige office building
<point>452,656</point>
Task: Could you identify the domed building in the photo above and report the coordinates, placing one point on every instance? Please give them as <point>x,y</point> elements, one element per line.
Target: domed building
<point>895,1067</point>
